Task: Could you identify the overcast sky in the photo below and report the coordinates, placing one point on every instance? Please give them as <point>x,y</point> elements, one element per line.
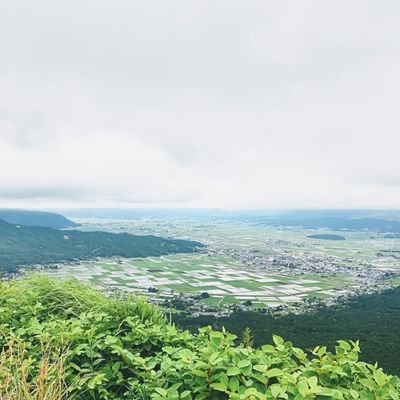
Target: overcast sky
<point>241,104</point>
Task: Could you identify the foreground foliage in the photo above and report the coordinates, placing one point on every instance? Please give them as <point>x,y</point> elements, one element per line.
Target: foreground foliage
<point>111,348</point>
<point>374,319</point>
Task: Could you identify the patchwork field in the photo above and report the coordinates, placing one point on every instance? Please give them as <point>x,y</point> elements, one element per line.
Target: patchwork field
<point>229,270</point>
<point>223,278</point>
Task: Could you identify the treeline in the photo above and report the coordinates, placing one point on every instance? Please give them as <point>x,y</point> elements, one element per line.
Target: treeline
<point>373,319</point>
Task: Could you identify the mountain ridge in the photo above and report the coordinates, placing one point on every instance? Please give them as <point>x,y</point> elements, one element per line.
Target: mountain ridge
<point>36,218</point>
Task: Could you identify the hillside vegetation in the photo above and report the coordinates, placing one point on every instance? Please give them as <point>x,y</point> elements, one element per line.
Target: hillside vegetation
<point>62,340</point>
<point>36,218</point>
<point>374,319</point>
<point>25,245</point>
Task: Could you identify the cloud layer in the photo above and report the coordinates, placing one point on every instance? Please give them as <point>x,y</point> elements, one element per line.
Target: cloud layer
<point>199,104</point>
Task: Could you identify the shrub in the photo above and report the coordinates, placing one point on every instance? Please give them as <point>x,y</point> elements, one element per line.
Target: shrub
<point>122,347</point>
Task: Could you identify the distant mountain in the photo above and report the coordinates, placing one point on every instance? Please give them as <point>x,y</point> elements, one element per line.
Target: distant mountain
<point>351,224</point>
<point>384,221</point>
<point>230,214</point>
<point>25,245</point>
<point>345,221</point>
<point>36,218</point>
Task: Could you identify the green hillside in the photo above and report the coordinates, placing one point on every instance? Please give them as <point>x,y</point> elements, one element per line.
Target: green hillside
<point>62,340</point>
<point>24,245</point>
<point>36,218</point>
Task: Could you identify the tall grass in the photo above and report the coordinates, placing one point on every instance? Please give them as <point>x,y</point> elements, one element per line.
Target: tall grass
<point>66,298</point>
<point>20,382</point>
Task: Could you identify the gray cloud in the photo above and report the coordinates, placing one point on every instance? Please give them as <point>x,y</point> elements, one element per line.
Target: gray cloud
<point>285,104</point>
<point>45,193</point>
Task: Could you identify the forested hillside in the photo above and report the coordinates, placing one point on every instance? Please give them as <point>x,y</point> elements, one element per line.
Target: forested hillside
<point>36,218</point>
<point>24,245</point>
<point>61,340</point>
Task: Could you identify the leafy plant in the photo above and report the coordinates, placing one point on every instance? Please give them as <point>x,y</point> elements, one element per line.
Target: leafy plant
<point>122,347</point>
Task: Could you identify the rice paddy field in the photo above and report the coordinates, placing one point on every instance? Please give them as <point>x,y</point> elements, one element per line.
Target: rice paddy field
<point>227,280</point>
<point>222,278</point>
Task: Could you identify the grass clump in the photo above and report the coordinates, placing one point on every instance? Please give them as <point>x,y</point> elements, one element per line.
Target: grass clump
<point>64,340</point>
<point>19,381</point>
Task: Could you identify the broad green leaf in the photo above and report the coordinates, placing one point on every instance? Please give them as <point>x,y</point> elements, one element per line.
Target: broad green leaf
<point>233,371</point>
<point>219,386</point>
<point>274,372</point>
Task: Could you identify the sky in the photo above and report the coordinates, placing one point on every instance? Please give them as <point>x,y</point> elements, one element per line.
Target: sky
<point>228,104</point>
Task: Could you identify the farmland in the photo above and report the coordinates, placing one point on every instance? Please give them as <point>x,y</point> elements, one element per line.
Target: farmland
<point>222,277</point>
<point>243,264</point>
